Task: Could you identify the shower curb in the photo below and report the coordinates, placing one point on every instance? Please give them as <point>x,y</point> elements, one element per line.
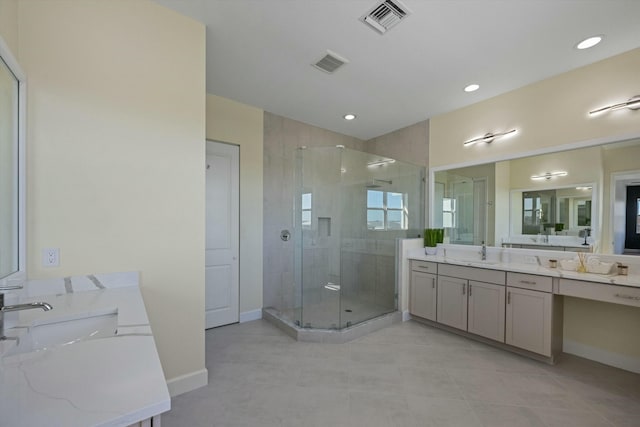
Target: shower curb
<point>332,336</point>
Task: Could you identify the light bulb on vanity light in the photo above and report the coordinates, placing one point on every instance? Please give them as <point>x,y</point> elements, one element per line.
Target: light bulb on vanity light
<point>489,137</point>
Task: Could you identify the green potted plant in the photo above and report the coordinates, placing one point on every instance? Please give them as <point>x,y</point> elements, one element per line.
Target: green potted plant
<point>432,236</point>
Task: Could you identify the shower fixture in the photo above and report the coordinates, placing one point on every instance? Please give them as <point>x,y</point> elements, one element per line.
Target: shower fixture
<point>372,183</point>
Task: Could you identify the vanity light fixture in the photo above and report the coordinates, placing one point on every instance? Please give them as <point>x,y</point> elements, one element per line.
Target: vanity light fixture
<point>489,137</point>
<point>549,175</point>
<point>632,104</point>
<point>380,162</point>
<point>349,116</point>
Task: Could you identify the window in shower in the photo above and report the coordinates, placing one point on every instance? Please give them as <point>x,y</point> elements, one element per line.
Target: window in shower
<point>386,210</point>
<point>306,211</point>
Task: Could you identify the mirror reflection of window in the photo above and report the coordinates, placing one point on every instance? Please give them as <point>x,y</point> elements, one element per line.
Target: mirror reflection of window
<point>448,212</point>
<point>583,210</point>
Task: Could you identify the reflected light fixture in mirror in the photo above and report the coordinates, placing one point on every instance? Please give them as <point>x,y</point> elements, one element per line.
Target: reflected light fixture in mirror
<point>489,137</point>
<point>380,162</point>
<point>632,104</point>
<point>549,175</point>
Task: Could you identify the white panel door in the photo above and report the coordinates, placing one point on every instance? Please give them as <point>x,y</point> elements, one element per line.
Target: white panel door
<point>222,235</point>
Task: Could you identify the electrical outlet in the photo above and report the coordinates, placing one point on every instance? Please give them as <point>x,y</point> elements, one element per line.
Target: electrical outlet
<point>51,257</point>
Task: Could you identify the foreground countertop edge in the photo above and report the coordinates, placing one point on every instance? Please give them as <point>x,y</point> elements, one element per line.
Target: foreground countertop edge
<point>629,281</point>
<point>131,312</point>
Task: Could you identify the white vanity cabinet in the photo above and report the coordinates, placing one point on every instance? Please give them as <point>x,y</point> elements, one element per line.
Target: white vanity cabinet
<point>422,300</point>
<point>472,299</point>
<point>529,312</point>
<point>486,310</point>
<point>452,302</point>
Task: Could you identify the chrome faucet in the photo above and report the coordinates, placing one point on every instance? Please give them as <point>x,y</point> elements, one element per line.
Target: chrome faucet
<point>483,251</point>
<point>17,307</point>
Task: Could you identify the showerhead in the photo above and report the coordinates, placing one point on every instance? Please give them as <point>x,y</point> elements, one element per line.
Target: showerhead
<point>374,183</point>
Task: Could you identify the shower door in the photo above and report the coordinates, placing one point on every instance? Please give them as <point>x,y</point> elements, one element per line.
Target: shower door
<point>317,218</point>
<point>350,207</point>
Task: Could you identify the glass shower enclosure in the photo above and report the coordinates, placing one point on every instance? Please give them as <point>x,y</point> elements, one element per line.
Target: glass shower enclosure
<point>349,209</point>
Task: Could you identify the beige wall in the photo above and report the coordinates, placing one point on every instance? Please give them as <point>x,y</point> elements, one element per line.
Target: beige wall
<point>115,148</point>
<point>240,124</point>
<point>553,114</point>
<point>550,113</point>
<point>9,24</point>
<point>409,144</point>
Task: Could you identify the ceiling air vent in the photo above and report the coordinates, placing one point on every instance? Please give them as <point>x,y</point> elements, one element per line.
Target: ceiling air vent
<point>385,15</point>
<point>330,62</point>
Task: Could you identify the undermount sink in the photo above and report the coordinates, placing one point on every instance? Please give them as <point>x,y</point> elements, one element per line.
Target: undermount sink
<point>54,332</point>
<point>473,261</point>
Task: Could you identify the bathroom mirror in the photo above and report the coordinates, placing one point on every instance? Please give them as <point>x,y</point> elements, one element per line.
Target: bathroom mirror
<point>12,248</point>
<point>505,200</point>
<point>554,211</point>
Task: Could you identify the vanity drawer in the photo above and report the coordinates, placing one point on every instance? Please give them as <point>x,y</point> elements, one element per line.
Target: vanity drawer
<point>424,266</point>
<point>472,273</point>
<point>600,292</point>
<point>530,281</point>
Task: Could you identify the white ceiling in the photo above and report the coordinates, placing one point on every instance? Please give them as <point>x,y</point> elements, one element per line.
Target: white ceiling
<point>259,52</point>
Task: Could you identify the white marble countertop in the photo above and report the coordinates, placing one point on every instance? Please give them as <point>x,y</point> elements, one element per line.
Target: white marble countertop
<point>537,265</point>
<point>110,381</point>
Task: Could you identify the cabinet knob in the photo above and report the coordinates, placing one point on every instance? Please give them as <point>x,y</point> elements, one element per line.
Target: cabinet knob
<point>464,289</point>
<point>469,289</point>
<point>509,297</point>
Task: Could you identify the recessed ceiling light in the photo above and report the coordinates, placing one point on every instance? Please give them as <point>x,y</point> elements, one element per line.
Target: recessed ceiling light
<point>472,88</point>
<point>589,42</point>
<point>349,116</point>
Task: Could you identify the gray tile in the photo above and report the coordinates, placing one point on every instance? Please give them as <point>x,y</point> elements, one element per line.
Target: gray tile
<point>431,382</point>
<point>323,373</point>
<point>570,418</point>
<point>437,412</point>
<point>493,415</point>
<point>405,375</point>
<point>375,376</point>
<point>375,408</point>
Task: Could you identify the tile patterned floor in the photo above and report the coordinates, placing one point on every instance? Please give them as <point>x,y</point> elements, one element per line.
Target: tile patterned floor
<point>406,375</point>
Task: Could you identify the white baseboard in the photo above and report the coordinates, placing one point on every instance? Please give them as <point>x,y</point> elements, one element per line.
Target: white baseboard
<point>603,356</point>
<point>406,316</point>
<point>188,382</point>
<point>248,316</point>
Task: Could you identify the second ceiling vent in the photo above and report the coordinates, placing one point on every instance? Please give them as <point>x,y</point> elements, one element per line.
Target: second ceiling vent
<point>385,15</point>
<point>330,62</point>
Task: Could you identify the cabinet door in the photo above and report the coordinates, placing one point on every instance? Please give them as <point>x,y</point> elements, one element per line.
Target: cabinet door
<point>528,323</point>
<point>422,295</point>
<point>486,310</point>
<point>452,302</point>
